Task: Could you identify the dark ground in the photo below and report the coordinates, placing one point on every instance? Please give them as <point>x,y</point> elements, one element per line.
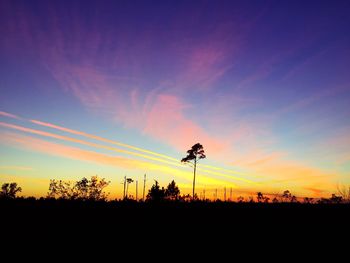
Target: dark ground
<point>49,217</point>
<point>36,228</point>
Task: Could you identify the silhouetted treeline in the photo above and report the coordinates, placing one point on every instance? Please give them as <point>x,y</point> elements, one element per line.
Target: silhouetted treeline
<point>163,216</point>
<point>93,190</point>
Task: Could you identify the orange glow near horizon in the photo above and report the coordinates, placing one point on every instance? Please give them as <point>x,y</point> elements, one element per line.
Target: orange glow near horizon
<point>165,160</point>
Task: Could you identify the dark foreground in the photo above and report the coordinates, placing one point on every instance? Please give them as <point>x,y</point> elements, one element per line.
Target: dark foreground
<point>50,218</point>
<point>111,229</point>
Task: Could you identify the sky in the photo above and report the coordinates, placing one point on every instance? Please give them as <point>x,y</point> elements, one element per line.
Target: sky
<point>125,88</point>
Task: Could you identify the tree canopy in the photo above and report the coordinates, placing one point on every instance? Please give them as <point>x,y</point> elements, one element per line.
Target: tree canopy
<point>84,189</point>
<point>156,194</point>
<point>172,191</point>
<point>10,190</point>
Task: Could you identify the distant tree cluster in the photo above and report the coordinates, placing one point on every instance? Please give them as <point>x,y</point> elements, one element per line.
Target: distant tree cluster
<point>157,194</point>
<point>84,189</point>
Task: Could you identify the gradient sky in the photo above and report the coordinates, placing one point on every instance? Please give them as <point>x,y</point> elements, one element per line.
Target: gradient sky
<point>118,88</point>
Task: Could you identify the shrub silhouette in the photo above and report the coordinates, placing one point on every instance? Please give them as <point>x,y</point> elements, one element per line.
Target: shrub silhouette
<point>9,190</point>
<point>261,198</point>
<point>156,194</point>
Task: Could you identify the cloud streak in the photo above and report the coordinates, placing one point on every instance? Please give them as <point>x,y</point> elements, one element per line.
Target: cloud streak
<point>100,146</point>
<point>9,115</point>
<point>50,148</point>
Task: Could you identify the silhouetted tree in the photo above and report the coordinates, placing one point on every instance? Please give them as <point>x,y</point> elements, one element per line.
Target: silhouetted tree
<point>84,189</point>
<point>275,200</point>
<point>91,189</point>
<point>308,200</point>
<point>251,199</point>
<point>260,197</point>
<point>156,194</point>
<point>60,189</point>
<point>172,191</point>
<point>9,190</point>
<point>336,199</point>
<point>286,196</point>
<point>293,199</point>
<point>128,181</point>
<point>240,199</point>
<point>186,198</point>
<point>194,154</point>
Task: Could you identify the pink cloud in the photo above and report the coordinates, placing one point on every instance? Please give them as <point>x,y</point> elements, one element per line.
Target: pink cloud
<point>203,67</point>
<point>109,85</point>
<point>166,121</point>
<point>9,115</point>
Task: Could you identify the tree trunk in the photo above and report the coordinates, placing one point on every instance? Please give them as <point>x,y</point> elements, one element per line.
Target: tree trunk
<point>124,187</point>
<point>194,177</point>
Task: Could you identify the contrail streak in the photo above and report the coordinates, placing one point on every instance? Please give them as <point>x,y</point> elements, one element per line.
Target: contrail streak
<point>70,139</point>
<point>99,138</point>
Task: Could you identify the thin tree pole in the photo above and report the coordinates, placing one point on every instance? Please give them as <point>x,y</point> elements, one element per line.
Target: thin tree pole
<point>124,186</point>
<point>144,187</point>
<point>127,189</point>
<point>225,194</point>
<point>204,194</point>
<point>231,194</point>
<point>136,189</point>
<point>216,194</point>
<point>194,177</point>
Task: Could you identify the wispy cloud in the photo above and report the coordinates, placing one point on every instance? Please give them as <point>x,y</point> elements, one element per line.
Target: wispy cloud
<point>50,148</point>
<point>98,138</point>
<point>12,167</point>
<point>166,121</point>
<point>172,161</point>
<point>9,115</point>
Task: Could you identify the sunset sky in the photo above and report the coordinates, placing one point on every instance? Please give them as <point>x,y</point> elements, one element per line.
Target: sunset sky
<point>124,88</point>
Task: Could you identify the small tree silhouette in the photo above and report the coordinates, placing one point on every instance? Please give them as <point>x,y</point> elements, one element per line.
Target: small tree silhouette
<point>240,199</point>
<point>275,200</point>
<point>128,181</point>
<point>194,154</point>
<point>156,194</point>
<point>60,189</point>
<point>308,200</point>
<point>172,192</point>
<point>336,199</point>
<point>286,196</point>
<point>260,197</point>
<point>9,190</point>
